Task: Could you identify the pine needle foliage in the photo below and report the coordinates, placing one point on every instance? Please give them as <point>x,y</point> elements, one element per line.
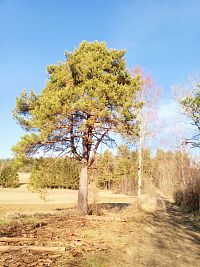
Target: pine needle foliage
<point>51,173</point>
<point>86,97</point>
<point>191,106</point>
<point>9,177</point>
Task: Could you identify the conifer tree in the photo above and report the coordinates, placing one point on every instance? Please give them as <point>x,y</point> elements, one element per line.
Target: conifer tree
<point>105,167</point>
<point>125,170</point>
<point>9,177</point>
<point>85,99</point>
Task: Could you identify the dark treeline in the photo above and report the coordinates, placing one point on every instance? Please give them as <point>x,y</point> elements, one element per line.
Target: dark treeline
<point>171,172</point>
<point>8,174</point>
<point>45,173</point>
<point>55,173</point>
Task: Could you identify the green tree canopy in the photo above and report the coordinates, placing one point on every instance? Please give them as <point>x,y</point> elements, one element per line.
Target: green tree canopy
<point>125,169</point>
<point>86,98</point>
<point>105,167</point>
<point>9,176</point>
<point>54,173</point>
<point>191,106</point>
<point>188,97</point>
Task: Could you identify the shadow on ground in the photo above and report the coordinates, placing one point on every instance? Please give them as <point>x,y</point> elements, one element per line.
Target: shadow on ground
<point>113,206</point>
<point>175,236</point>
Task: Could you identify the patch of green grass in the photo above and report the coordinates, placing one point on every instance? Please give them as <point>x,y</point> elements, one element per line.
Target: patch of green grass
<point>95,261</point>
<point>92,261</point>
<point>21,218</point>
<point>4,222</point>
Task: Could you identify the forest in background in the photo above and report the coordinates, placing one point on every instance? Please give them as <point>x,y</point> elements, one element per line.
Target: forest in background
<point>173,173</point>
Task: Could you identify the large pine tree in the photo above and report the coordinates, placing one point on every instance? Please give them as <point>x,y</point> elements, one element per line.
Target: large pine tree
<point>88,97</point>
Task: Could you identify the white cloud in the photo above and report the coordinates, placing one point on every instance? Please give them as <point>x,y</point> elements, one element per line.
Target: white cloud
<point>168,110</point>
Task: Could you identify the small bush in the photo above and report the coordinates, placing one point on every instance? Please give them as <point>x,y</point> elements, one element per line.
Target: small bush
<point>188,197</point>
<point>51,173</point>
<point>9,177</point>
<point>188,200</point>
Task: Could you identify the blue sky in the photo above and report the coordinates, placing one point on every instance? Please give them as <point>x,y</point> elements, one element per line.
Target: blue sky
<point>163,37</point>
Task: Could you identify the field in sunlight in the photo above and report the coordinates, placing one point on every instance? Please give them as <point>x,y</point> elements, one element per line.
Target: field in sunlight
<point>23,200</point>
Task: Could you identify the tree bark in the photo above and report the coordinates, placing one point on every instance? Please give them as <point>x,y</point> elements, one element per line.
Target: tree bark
<point>83,190</point>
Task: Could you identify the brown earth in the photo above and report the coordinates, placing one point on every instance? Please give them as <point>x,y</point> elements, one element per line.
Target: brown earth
<point>156,235</point>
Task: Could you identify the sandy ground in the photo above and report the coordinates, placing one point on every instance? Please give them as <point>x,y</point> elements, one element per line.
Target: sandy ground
<point>157,234</point>
<point>22,200</point>
<point>23,195</point>
<point>166,237</point>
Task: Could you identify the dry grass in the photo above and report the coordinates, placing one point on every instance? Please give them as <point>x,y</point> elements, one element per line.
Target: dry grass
<point>22,200</point>
<point>122,236</point>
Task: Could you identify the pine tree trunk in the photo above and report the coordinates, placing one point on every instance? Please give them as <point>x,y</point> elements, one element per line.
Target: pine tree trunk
<point>83,190</point>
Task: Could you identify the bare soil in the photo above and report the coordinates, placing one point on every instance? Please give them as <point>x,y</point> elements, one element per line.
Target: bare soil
<point>124,235</point>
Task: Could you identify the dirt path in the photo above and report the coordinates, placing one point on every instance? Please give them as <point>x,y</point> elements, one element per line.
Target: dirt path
<point>165,238</point>
<point>176,240</point>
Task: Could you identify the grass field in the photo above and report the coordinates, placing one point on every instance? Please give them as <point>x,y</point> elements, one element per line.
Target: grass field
<point>22,200</point>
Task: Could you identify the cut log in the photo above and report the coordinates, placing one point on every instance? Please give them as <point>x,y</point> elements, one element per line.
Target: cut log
<point>16,239</point>
<point>106,219</point>
<point>36,248</point>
